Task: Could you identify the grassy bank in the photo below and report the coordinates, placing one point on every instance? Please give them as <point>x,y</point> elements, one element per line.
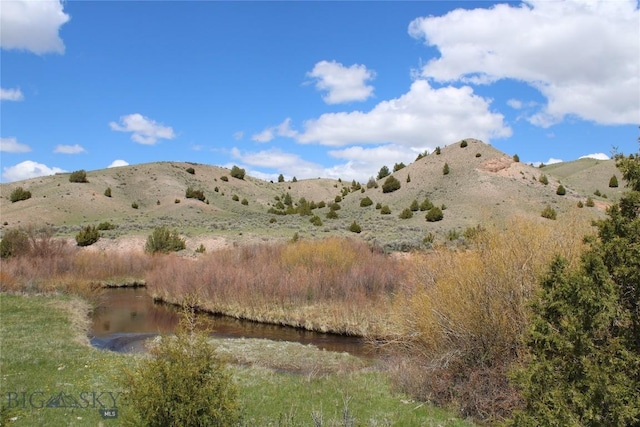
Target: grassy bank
<point>44,354</point>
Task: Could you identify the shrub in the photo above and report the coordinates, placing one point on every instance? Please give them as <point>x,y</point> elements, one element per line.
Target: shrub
<point>321,204</point>
<point>244,201</point>
<point>366,202</point>
<point>334,206</point>
<point>235,198</point>
<point>355,228</point>
<point>224,178</point>
<point>516,158</point>
<point>176,201</point>
<point>445,169</point>
<point>434,214</point>
<point>414,206</point>
<point>134,205</point>
<point>165,241</point>
<point>383,172</point>
<point>597,193</point>
<point>463,144</point>
<point>280,178</point>
<point>580,204</point>
<point>429,238</point>
<point>19,194</point>
<point>543,179</point>
<point>87,236</point>
<point>191,170</point>
<point>338,199</point>
<point>426,204</point>
<point>15,242</point>
<point>453,234</point>
<point>183,383</point>
<point>478,155</point>
<point>549,213</point>
<point>398,166</point>
<point>385,210</point>
<point>589,203</point>
<point>406,214</point>
<point>272,220</point>
<point>438,151</point>
<point>192,193</point>
<point>237,172</point>
<point>613,182</point>
<point>372,183</point>
<point>408,178</point>
<point>561,191</point>
<point>315,220</point>
<point>464,314</point>
<point>103,226</point>
<point>78,176</point>
<point>294,179</point>
<point>332,214</point>
<point>390,185</point>
<point>378,205</point>
<point>201,249</point>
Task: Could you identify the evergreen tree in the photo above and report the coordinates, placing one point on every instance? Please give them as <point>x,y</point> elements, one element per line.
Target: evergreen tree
<point>383,173</point>
<point>585,336</point>
<point>613,182</point>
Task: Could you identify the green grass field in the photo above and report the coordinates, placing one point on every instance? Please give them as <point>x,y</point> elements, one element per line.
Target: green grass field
<point>50,376</point>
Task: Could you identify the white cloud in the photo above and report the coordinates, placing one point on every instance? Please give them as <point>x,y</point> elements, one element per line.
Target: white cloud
<point>515,104</point>
<point>28,169</point>
<point>69,149</point>
<point>423,118</point>
<point>552,161</point>
<point>32,25</point>
<point>238,135</point>
<point>144,130</point>
<point>597,156</point>
<point>11,145</point>
<point>11,94</point>
<point>581,55</point>
<point>283,129</point>
<point>342,84</point>
<point>118,163</point>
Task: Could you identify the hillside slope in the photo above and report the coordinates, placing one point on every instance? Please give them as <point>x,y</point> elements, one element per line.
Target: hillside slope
<point>483,184</point>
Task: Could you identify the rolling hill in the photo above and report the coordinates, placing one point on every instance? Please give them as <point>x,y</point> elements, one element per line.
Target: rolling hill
<point>483,185</point>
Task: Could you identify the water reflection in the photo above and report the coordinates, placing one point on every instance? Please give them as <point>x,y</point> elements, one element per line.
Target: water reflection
<point>128,316</point>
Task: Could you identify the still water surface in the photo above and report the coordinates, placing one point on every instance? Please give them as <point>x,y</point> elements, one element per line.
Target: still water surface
<point>128,316</point>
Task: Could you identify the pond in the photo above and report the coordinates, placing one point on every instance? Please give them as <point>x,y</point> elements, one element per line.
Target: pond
<point>126,317</point>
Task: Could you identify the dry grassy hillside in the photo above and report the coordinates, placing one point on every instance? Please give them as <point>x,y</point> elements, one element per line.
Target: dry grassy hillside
<point>483,185</point>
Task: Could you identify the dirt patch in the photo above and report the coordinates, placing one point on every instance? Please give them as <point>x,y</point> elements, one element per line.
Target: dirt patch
<point>128,244</point>
<point>495,165</point>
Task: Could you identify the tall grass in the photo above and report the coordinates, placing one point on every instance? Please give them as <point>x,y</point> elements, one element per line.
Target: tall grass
<point>49,264</point>
<point>337,285</point>
<point>461,316</point>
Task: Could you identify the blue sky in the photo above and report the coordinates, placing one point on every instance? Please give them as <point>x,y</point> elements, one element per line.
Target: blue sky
<point>312,89</point>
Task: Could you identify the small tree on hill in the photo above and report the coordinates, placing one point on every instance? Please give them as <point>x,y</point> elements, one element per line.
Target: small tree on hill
<point>445,169</point>
<point>372,183</point>
<point>192,193</point>
<point>406,214</point>
<point>87,236</point>
<point>280,178</point>
<point>390,185</point>
<point>543,179</point>
<point>237,172</point>
<point>613,182</point>
<point>383,173</point>
<point>438,151</point>
<point>463,144</point>
<point>19,194</point>
<point>366,202</point>
<point>107,192</point>
<point>398,166</point>
<point>549,213</point>
<point>516,158</point>
<point>561,191</point>
<point>434,214</point>
<point>78,176</point>
<point>355,228</point>
<point>165,241</point>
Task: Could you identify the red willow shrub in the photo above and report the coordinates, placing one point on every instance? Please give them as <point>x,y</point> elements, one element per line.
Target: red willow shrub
<point>341,285</point>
